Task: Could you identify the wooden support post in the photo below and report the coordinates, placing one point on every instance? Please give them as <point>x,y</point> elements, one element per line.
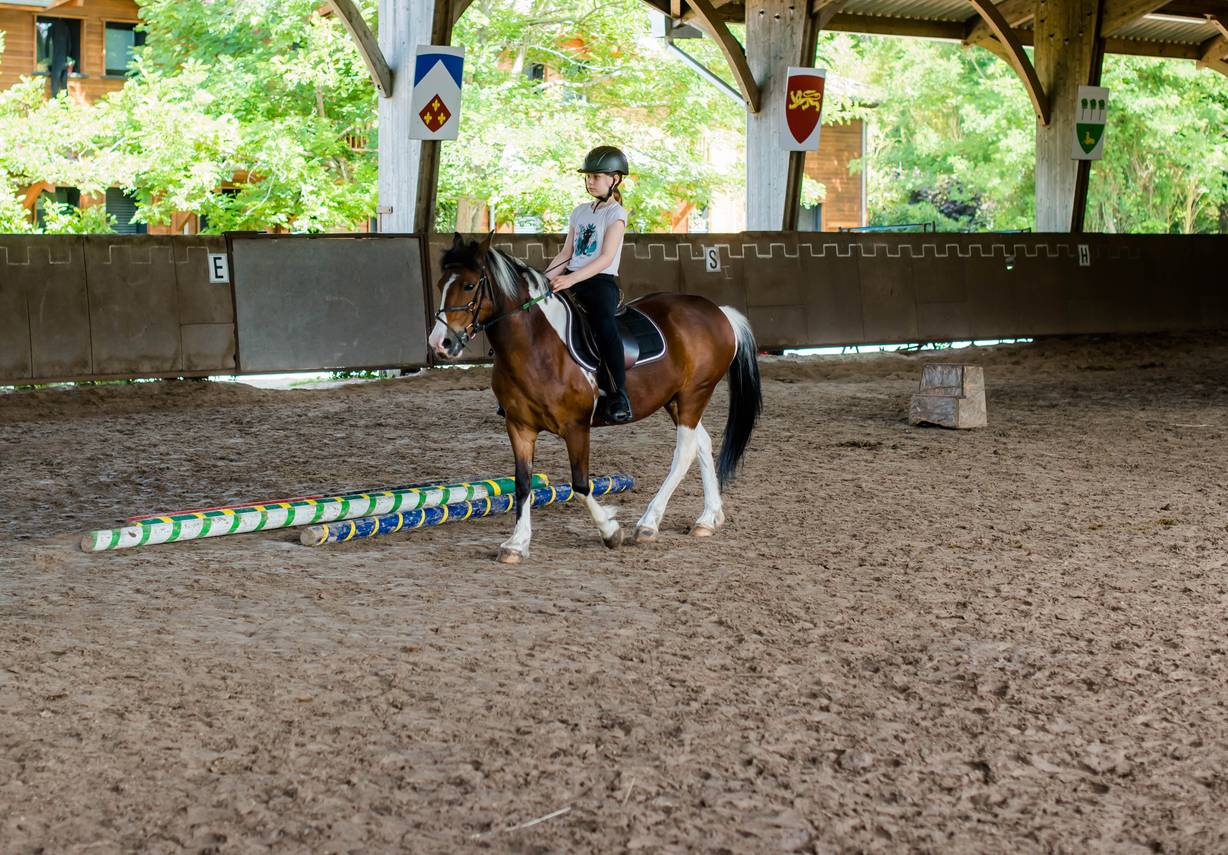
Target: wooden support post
<point>1084,167</point>
<point>353,21</point>
<point>1065,38</point>
<point>428,173</point>
<point>775,31</point>
<point>403,25</point>
<point>797,159</point>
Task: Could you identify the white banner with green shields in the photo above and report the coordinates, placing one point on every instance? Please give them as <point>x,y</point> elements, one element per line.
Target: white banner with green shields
<point>1091,112</point>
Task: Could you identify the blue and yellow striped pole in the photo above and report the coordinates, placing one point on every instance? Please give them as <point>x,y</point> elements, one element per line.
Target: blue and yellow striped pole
<point>240,520</point>
<point>359,529</point>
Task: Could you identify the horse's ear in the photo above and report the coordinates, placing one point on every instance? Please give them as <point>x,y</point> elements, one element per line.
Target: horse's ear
<point>484,246</point>
<point>457,241</point>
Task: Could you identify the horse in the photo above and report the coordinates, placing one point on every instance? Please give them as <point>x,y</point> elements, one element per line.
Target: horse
<point>541,387</point>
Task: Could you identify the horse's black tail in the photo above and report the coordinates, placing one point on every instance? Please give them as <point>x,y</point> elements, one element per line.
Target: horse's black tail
<point>745,397</point>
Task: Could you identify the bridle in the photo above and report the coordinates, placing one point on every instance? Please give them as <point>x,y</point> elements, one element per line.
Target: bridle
<point>474,327</point>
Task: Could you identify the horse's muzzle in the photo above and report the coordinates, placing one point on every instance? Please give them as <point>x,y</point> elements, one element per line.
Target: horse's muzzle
<point>450,346</point>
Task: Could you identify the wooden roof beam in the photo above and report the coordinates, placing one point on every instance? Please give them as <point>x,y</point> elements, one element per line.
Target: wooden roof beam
<point>1215,54</point>
<point>823,11</point>
<point>1014,12</point>
<point>368,47</point>
<point>1016,57</point>
<point>706,17</point>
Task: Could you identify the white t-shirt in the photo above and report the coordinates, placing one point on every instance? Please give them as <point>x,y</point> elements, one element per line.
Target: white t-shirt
<point>588,229</point>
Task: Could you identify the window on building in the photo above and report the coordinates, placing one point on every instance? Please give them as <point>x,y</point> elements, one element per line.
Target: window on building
<point>122,206</point>
<point>70,196</point>
<point>810,218</point>
<point>121,42</point>
<point>58,39</point>
<point>57,50</point>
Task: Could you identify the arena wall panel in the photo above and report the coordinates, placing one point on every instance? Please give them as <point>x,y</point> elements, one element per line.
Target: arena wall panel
<point>312,302</point>
<point>107,306</point>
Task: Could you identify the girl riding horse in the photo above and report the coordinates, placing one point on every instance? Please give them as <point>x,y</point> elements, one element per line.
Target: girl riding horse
<point>542,388</point>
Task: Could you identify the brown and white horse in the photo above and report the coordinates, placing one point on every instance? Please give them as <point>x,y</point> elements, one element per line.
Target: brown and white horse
<point>541,388</point>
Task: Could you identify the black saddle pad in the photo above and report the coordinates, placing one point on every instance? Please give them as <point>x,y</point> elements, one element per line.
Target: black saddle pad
<point>642,338</point>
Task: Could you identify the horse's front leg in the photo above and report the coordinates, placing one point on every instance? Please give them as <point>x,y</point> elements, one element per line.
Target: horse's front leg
<point>577,440</point>
<point>524,441</point>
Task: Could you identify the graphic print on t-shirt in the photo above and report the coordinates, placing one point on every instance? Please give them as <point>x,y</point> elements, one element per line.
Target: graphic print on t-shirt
<point>585,242</point>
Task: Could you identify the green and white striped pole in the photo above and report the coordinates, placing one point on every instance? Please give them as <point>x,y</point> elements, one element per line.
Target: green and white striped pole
<point>224,521</point>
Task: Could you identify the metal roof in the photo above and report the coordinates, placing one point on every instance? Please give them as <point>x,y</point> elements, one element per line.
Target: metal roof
<point>1170,29</point>
<point>1180,28</point>
<point>923,10</point>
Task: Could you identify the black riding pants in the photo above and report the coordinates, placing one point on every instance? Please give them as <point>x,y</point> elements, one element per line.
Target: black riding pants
<point>599,297</point>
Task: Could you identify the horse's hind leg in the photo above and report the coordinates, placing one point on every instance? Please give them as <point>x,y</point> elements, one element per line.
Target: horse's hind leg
<point>713,514</point>
<point>684,453</point>
<point>577,440</point>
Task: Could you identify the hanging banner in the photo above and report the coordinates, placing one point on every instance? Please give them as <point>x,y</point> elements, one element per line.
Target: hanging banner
<point>437,92</point>
<point>1091,112</point>
<point>803,109</point>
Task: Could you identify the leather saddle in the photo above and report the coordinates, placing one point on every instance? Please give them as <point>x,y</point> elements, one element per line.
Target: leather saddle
<point>641,337</point>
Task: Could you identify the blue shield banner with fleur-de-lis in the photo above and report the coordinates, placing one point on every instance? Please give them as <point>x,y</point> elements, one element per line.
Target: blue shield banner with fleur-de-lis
<point>437,92</point>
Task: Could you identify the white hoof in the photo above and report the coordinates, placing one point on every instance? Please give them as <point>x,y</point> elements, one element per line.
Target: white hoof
<point>615,540</point>
<point>507,555</point>
<point>645,535</point>
<point>698,530</point>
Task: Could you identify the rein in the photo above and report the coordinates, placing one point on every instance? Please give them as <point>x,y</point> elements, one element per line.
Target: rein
<point>474,307</point>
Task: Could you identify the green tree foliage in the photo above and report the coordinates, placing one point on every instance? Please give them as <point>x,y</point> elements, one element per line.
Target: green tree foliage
<point>951,135</point>
<point>264,90</point>
<point>607,81</point>
<point>1165,166</point>
<point>954,134</point>
<point>269,100</point>
<point>268,97</point>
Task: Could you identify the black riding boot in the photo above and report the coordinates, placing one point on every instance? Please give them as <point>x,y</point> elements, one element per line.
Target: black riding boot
<point>618,410</point>
<point>599,296</point>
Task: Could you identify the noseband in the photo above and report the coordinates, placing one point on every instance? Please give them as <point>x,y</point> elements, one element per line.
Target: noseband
<point>474,307</point>
<point>473,328</point>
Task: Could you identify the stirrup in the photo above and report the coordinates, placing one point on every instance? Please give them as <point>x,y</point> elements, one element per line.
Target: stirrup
<point>618,408</point>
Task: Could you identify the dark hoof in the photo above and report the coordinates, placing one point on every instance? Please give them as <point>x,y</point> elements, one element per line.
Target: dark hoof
<point>615,540</point>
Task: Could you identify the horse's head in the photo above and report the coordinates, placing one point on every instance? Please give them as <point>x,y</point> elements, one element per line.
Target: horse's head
<point>467,298</point>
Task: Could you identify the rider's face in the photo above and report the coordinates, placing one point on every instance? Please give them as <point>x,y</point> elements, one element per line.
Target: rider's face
<point>598,183</point>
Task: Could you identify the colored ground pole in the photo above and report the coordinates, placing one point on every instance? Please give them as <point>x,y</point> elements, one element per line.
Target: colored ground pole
<point>287,514</point>
<point>359,529</point>
<point>417,485</point>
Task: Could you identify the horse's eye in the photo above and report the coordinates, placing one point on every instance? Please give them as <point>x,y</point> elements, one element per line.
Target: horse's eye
<point>469,286</point>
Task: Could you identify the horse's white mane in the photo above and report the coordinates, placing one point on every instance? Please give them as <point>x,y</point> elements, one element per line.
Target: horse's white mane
<point>506,272</point>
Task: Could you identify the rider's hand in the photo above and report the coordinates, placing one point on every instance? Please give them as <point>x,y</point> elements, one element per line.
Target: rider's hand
<point>562,283</point>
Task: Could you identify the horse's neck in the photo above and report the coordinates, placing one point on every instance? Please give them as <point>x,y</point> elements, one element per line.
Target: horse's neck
<point>524,334</point>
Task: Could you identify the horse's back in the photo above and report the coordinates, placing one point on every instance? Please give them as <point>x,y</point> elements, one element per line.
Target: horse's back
<point>690,322</point>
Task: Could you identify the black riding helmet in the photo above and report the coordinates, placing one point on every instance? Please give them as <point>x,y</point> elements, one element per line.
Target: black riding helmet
<point>606,158</point>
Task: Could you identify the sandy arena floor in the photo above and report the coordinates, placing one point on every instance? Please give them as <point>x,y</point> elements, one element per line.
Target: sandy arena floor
<point>905,639</point>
